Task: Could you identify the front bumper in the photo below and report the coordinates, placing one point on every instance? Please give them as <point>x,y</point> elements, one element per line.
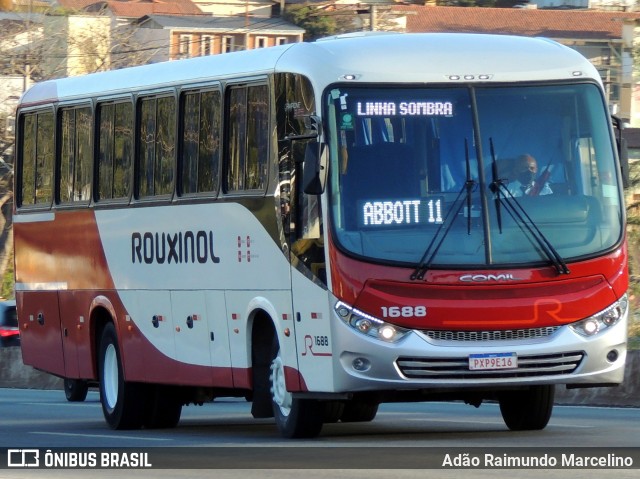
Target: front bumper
<point>418,361</point>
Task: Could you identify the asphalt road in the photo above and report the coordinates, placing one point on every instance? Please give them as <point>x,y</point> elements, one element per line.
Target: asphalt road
<point>224,433</point>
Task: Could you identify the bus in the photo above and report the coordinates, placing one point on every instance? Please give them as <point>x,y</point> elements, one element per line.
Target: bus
<point>323,227</point>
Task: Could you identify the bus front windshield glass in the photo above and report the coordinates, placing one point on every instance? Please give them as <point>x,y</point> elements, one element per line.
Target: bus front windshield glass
<point>484,176</point>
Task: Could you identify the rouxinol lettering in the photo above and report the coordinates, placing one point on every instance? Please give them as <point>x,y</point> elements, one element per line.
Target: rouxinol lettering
<point>182,247</point>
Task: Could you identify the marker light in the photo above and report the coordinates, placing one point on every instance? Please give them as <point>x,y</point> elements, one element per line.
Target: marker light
<point>600,322</point>
<point>368,325</point>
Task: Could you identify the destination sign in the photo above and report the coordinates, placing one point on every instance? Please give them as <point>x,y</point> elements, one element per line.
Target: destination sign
<point>423,211</point>
<point>404,108</point>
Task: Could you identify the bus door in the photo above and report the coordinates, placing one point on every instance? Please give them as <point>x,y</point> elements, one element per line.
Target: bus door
<point>309,292</point>
<point>40,330</point>
<point>73,327</point>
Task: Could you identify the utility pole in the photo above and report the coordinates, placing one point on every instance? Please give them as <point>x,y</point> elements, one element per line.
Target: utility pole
<point>373,20</point>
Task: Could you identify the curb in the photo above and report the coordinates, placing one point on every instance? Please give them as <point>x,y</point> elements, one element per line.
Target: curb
<point>14,374</point>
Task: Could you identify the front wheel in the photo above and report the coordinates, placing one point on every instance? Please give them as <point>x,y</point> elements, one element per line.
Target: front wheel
<point>528,409</point>
<point>359,411</point>
<point>123,402</point>
<point>295,418</point>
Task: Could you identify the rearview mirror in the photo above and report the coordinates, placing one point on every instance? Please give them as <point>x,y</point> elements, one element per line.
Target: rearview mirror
<point>314,174</point>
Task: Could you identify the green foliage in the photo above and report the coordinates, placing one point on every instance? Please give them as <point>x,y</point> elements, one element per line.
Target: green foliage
<point>307,17</point>
<point>633,241</point>
<point>316,22</point>
<point>7,291</point>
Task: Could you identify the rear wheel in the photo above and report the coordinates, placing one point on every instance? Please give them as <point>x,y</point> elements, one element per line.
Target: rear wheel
<point>75,389</point>
<point>123,402</point>
<point>295,418</point>
<point>528,409</point>
<point>164,407</point>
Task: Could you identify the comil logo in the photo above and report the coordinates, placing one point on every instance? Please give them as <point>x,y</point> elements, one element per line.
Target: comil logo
<point>23,458</point>
<point>483,278</point>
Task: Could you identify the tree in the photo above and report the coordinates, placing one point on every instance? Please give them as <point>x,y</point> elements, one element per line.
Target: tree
<point>319,23</point>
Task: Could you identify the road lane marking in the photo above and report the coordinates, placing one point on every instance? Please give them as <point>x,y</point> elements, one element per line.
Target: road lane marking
<point>101,436</point>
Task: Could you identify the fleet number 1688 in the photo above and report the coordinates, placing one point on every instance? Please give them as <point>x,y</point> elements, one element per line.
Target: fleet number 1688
<point>404,311</point>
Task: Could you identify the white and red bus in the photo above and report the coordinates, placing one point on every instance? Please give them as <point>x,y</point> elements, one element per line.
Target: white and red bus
<point>324,227</point>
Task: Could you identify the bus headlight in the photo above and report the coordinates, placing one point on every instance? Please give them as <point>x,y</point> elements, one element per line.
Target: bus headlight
<point>600,322</point>
<point>368,325</point>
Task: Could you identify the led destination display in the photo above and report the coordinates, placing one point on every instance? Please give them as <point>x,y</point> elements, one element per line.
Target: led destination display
<point>405,108</point>
<point>422,211</point>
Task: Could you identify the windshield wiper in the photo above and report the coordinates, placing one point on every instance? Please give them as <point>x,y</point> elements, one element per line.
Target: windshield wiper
<point>445,226</point>
<point>504,197</point>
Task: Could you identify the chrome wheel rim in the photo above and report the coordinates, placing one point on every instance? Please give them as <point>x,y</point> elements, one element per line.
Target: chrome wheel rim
<point>281,397</point>
<point>110,377</point>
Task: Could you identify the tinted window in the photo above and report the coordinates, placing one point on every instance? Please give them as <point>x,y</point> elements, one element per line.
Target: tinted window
<point>157,146</point>
<point>200,142</point>
<point>248,138</point>
<point>115,150</point>
<point>37,154</point>
<point>75,154</point>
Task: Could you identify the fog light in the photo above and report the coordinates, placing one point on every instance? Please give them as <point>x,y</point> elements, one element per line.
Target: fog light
<point>612,356</point>
<point>361,364</point>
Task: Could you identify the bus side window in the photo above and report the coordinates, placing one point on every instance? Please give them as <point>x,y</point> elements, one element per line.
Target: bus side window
<point>36,157</point>
<point>200,142</point>
<point>115,150</point>
<point>157,146</point>
<point>76,154</point>
<point>247,138</point>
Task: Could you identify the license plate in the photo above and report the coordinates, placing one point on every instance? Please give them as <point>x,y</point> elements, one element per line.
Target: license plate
<point>489,361</point>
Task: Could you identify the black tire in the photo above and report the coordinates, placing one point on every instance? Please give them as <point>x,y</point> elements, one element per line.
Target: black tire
<point>75,389</point>
<point>164,407</point>
<point>295,418</point>
<point>333,411</point>
<point>123,402</point>
<point>528,409</point>
<point>359,411</point>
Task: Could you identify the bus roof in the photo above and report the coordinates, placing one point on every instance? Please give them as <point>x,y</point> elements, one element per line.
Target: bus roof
<point>364,58</point>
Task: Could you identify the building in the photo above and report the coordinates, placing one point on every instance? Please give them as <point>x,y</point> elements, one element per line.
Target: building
<point>188,36</point>
<point>620,5</point>
<point>231,8</point>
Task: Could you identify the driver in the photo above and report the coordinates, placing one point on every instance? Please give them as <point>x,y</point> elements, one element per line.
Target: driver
<point>527,182</point>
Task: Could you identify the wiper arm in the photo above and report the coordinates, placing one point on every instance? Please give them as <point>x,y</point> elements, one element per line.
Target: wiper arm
<point>445,226</point>
<point>522,218</point>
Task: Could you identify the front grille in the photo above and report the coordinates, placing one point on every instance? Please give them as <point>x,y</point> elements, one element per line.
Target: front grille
<point>506,335</point>
<point>458,368</point>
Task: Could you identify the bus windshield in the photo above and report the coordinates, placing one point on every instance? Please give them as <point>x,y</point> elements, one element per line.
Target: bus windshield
<point>468,175</point>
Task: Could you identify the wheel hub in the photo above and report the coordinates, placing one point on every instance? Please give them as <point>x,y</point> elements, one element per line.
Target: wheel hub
<point>281,397</point>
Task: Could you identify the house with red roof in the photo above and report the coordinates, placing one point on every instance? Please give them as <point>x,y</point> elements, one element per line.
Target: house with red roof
<point>132,8</point>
